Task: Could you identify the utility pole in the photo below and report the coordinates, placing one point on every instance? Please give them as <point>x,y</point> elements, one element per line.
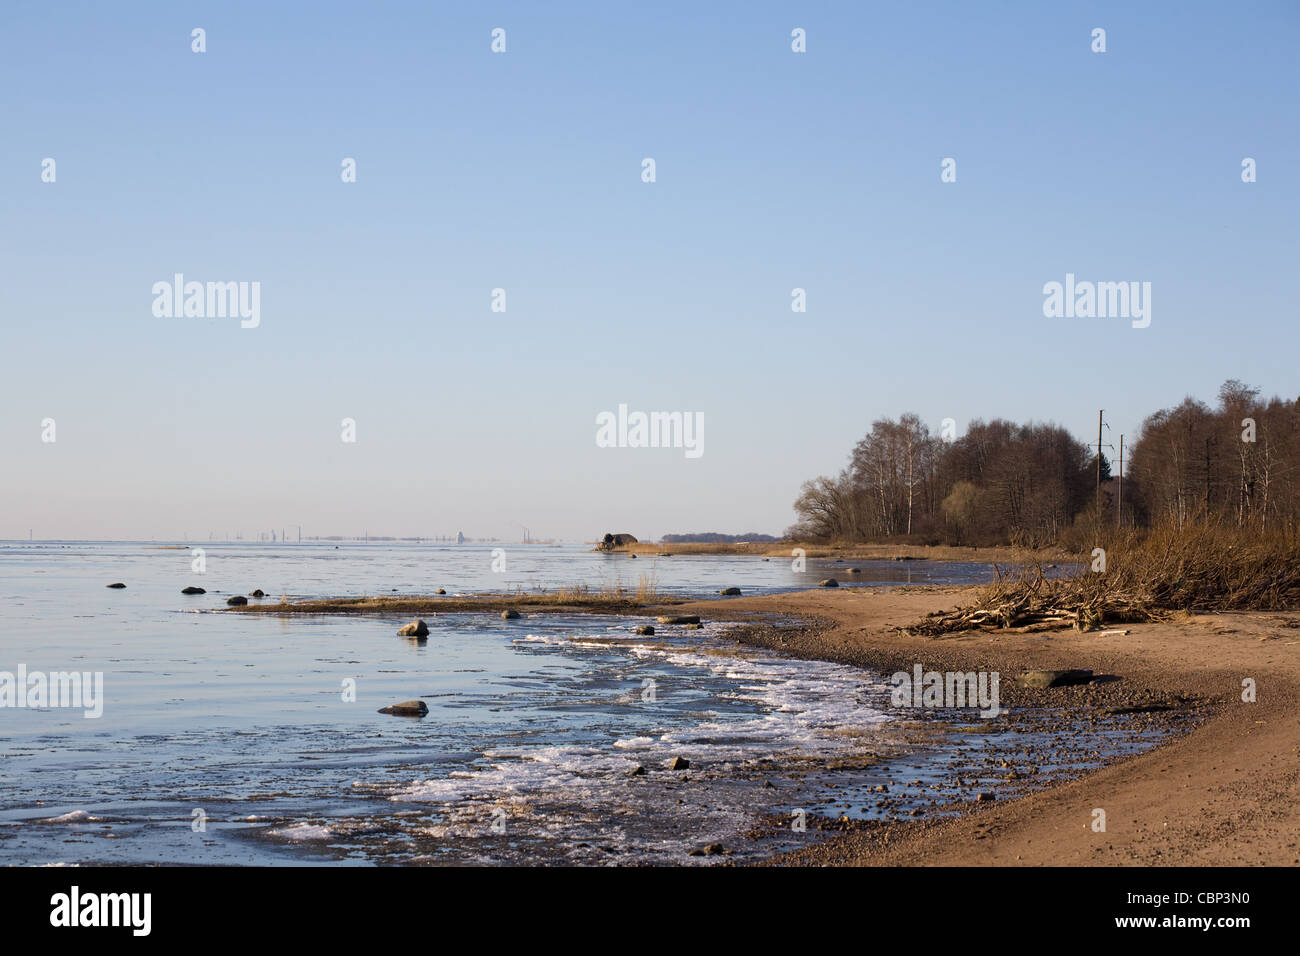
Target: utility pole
<point>1101,423</point>
<point>1119,495</point>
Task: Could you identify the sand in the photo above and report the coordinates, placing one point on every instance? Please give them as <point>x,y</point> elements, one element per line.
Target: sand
<point>1227,793</point>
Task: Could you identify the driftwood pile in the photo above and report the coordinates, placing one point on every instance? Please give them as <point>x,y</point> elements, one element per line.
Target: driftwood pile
<point>1026,599</point>
<point>1146,576</point>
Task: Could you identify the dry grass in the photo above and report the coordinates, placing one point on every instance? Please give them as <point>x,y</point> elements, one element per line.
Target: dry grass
<point>645,592</point>
<point>611,599</point>
<point>1147,575</point>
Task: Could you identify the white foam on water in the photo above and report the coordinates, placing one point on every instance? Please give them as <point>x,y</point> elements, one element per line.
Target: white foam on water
<point>76,816</point>
<point>302,832</point>
<point>806,708</point>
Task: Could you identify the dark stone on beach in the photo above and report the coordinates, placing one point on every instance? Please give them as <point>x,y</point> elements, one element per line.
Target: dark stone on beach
<point>118,584</point>
<point>682,619</point>
<point>829,583</point>
<point>237,601</point>
<point>985,798</point>
<point>612,541</point>
<point>852,570</point>
<point>696,852</point>
<point>637,771</point>
<point>416,628</point>
<point>645,629</point>
<point>510,614</point>
<point>679,763</point>
<point>258,593</point>
<point>1041,680</point>
<point>713,849</point>
<point>440,591</point>
<point>407,708</point>
<point>632,556</point>
<point>193,590</point>
<point>729,591</point>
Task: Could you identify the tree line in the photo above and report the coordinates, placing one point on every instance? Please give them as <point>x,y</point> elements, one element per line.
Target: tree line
<point>1236,464</point>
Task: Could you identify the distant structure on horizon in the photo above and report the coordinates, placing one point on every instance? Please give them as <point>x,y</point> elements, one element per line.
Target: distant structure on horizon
<point>460,537</point>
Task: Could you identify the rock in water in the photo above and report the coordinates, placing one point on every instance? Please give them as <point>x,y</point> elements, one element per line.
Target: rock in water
<point>117,584</point>
<point>259,593</point>
<point>407,708</point>
<point>440,591</point>
<point>612,541</point>
<point>647,629</point>
<point>727,592</point>
<point>679,763</point>
<point>510,614</point>
<point>193,590</point>
<point>237,601</point>
<point>829,583</point>
<point>416,628</point>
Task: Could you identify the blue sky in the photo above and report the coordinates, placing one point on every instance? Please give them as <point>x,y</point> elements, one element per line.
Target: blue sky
<point>522,171</point>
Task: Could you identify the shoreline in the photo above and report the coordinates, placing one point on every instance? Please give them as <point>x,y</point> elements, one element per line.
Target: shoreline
<point>1226,792</point>
<point>1001,554</point>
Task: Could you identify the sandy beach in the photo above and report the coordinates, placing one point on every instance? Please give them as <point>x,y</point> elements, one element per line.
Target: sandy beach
<point>1228,793</point>
<point>1223,793</point>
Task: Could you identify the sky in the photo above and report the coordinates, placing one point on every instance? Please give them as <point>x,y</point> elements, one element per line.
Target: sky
<point>522,170</point>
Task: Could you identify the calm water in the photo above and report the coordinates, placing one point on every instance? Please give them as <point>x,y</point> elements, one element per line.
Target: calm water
<point>232,739</point>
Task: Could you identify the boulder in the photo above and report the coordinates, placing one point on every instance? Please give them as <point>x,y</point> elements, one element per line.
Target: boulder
<point>416,628</point>
<point>193,590</point>
<point>679,763</point>
<point>509,614</point>
<point>829,583</point>
<point>258,593</point>
<point>613,541</point>
<point>117,584</point>
<point>407,708</point>
<point>646,629</point>
<point>728,592</point>
<point>1041,680</point>
<point>440,591</point>
<point>237,601</point>
<point>637,771</point>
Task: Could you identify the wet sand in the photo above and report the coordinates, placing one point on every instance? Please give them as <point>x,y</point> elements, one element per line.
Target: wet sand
<point>1226,793</point>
